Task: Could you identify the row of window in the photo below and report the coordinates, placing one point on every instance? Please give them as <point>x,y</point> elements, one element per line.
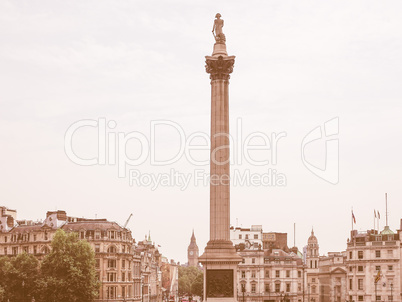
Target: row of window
<point>28,237</point>
<point>272,260</point>
<point>247,236</point>
<point>112,277</point>
<point>25,237</point>
<point>268,288</point>
<point>125,291</point>
<point>267,274</point>
<point>101,234</point>
<point>360,268</point>
<point>378,254</point>
<point>377,298</point>
<point>112,263</point>
<point>15,250</point>
<point>112,249</point>
<point>360,283</point>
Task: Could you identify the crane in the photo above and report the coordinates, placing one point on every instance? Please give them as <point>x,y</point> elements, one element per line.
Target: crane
<point>127,220</point>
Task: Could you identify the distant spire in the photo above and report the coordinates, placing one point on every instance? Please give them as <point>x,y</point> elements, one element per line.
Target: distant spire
<point>149,236</point>
<point>193,237</point>
<point>312,231</point>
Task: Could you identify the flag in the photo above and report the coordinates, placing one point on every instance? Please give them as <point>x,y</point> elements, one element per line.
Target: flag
<point>353,217</point>
<point>378,215</point>
<point>375,215</point>
<point>378,277</point>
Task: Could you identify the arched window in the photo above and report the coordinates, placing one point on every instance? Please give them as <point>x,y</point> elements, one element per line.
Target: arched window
<point>111,249</point>
<point>313,289</point>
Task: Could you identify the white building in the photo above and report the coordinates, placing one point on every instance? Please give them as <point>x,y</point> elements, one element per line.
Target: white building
<point>248,236</point>
<point>371,254</point>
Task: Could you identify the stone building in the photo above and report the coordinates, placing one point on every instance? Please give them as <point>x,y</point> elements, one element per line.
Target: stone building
<point>117,265</point>
<point>312,270</point>
<point>269,270</point>
<point>119,262</point>
<point>151,262</point>
<point>248,236</point>
<point>373,254</point>
<point>332,277</point>
<point>193,252</point>
<point>170,280</point>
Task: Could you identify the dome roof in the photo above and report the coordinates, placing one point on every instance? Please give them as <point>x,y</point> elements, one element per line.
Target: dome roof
<point>312,238</point>
<point>387,231</point>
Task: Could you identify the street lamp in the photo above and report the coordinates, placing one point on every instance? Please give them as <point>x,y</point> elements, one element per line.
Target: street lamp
<point>23,291</point>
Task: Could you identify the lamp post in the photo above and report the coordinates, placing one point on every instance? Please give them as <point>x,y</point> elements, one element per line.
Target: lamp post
<point>23,291</point>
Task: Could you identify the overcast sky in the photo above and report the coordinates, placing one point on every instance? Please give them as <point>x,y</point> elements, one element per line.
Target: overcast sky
<point>298,65</point>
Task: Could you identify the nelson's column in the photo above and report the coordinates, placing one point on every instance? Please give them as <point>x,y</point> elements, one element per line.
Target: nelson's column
<point>220,259</point>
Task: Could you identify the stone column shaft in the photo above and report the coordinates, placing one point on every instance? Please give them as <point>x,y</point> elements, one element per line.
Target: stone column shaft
<point>219,161</point>
<point>219,67</point>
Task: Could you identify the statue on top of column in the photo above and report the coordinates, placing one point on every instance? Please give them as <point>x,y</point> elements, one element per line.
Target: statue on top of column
<point>219,35</point>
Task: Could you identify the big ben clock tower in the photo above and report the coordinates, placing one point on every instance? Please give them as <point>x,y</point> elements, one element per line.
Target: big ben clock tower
<point>192,252</point>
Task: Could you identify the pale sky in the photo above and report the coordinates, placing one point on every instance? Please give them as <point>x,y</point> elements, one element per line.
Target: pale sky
<point>298,65</point>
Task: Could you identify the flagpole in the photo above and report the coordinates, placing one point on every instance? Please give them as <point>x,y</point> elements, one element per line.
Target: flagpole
<point>386,209</point>
<point>352,219</point>
<point>374,221</point>
<point>378,222</point>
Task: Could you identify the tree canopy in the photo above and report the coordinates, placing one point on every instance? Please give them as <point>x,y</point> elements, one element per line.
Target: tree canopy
<point>191,280</point>
<point>68,271</point>
<point>18,277</point>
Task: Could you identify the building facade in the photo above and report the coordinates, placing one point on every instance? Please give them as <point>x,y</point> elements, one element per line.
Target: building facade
<point>151,262</point>
<point>248,236</point>
<point>269,270</point>
<point>125,270</point>
<point>373,265</point>
<point>170,280</point>
<point>312,268</point>
<point>332,278</point>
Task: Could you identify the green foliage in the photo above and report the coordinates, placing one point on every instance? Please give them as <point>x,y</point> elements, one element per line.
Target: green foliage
<point>18,277</point>
<point>191,280</point>
<point>1,294</point>
<point>68,271</point>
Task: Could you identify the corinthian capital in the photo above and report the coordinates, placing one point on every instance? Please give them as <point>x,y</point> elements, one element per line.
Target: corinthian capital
<point>219,68</point>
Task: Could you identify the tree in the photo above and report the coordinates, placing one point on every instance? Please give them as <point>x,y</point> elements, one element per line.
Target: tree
<point>1,294</point>
<point>191,280</point>
<point>68,271</point>
<point>18,277</point>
